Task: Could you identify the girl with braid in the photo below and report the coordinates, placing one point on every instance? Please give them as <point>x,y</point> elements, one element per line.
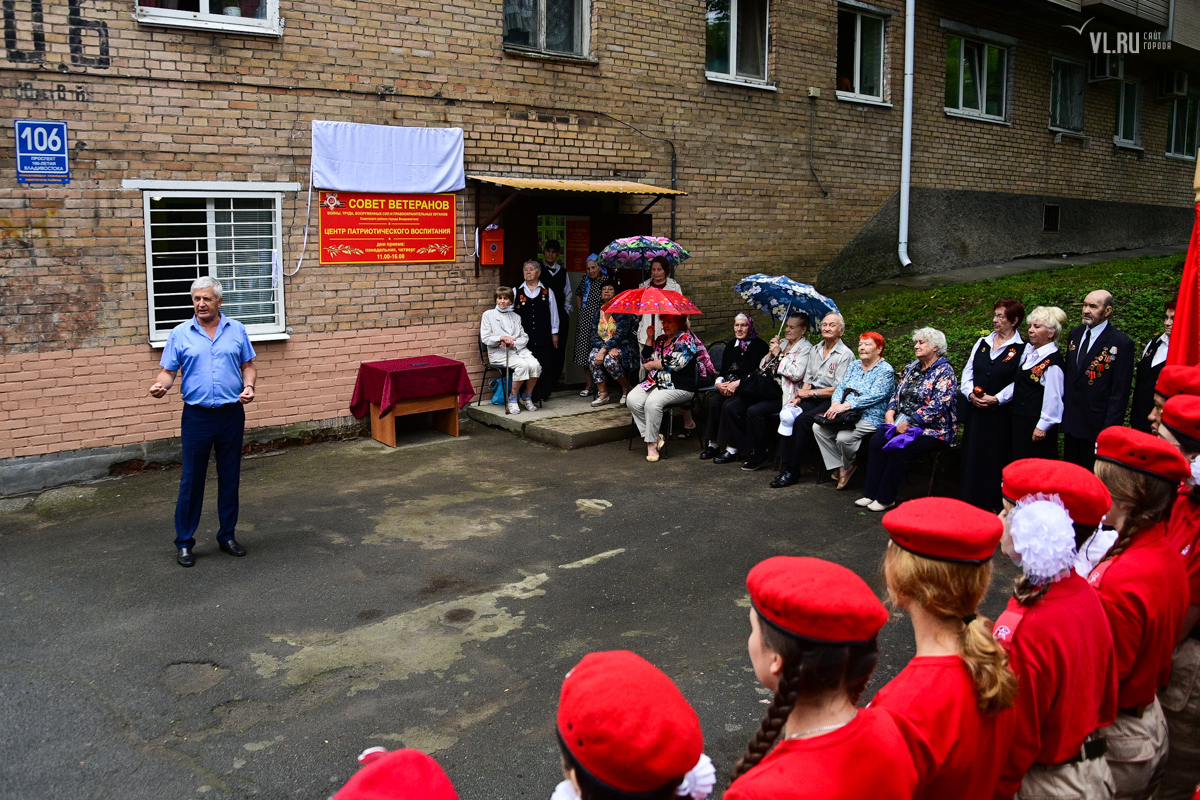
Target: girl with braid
<point>1056,635</point>
<point>813,627</point>
<point>1143,586</point>
<point>958,692</point>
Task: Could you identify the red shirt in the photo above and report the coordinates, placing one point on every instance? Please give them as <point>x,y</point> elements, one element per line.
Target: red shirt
<point>869,758</point>
<point>1062,652</point>
<point>1183,534</point>
<point>967,747</point>
<point>1145,595</point>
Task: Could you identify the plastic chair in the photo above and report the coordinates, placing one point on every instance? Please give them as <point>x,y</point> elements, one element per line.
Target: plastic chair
<point>505,374</point>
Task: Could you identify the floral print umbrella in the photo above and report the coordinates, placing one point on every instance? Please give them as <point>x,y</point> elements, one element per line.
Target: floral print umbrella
<point>650,301</point>
<point>780,295</point>
<point>636,252</point>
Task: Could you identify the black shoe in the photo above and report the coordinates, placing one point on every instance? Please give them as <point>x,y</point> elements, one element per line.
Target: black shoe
<point>232,547</point>
<point>709,452</point>
<point>727,458</point>
<point>785,478</point>
<point>185,557</point>
<point>756,461</point>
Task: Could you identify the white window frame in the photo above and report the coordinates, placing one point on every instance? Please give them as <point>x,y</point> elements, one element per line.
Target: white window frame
<point>1120,139</point>
<point>1004,78</point>
<point>258,332</point>
<point>203,20</point>
<point>585,34</point>
<point>1055,60</point>
<point>856,95</point>
<point>732,76</point>
<point>1180,153</point>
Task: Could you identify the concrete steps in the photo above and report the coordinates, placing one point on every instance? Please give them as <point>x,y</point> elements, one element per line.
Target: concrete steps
<point>568,421</point>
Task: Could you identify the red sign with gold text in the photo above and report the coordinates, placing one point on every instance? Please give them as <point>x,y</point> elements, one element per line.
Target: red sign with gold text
<point>363,228</point>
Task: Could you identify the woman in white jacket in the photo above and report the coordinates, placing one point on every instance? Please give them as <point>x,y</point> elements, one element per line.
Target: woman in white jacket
<point>501,331</point>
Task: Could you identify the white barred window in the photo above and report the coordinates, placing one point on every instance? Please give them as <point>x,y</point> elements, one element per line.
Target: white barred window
<point>234,237</point>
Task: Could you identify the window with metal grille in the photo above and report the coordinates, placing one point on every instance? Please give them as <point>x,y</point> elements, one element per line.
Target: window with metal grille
<point>234,238</point>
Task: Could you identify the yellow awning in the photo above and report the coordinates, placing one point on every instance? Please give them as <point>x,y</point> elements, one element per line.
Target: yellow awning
<point>577,185</point>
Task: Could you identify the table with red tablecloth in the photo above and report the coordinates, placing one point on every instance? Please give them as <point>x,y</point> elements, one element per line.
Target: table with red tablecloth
<point>399,386</point>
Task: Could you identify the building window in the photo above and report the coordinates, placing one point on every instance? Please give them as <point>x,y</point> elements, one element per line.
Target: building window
<point>550,26</point>
<point>736,44</point>
<point>232,16</point>
<point>976,78</point>
<point>1181,127</point>
<point>1067,79</point>
<point>1128,132</point>
<point>859,56</point>
<point>233,237</point>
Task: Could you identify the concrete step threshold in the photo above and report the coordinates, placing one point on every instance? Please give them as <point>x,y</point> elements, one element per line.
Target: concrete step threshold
<point>567,422</point>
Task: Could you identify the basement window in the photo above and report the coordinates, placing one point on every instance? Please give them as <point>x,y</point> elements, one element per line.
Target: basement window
<point>233,237</point>
<point>1050,218</point>
<point>228,16</point>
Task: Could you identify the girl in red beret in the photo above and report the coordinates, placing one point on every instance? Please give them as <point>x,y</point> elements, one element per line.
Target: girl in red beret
<point>958,692</point>
<point>1057,635</point>
<point>1180,426</point>
<point>812,641</point>
<point>625,730</point>
<point>399,775</point>
<point>1143,587</point>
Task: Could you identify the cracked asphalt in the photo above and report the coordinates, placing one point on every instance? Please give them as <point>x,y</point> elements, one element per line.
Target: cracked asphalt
<point>430,596</point>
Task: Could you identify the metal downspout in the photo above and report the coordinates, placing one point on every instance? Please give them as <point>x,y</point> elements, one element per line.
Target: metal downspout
<point>910,21</point>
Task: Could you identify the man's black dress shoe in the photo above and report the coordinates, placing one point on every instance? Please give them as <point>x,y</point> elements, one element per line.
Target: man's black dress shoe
<point>709,452</point>
<point>185,557</point>
<point>785,478</point>
<point>233,548</point>
<point>755,461</point>
<point>727,458</point>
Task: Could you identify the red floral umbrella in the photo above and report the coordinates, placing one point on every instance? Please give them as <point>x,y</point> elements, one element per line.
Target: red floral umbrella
<point>650,301</point>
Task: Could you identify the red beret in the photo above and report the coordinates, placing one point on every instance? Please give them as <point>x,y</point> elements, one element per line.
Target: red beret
<point>1142,452</point>
<point>626,723</point>
<point>816,600</point>
<point>1084,495</point>
<point>1178,379</point>
<point>944,529</point>
<point>1182,415</point>
<point>399,775</point>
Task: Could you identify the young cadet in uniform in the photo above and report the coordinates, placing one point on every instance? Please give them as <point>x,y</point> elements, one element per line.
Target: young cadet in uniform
<point>399,775</point>
<point>1175,379</point>
<point>1057,636</point>
<point>958,692</point>
<point>1143,587</point>
<point>626,731</point>
<point>1181,698</point>
<point>813,626</point>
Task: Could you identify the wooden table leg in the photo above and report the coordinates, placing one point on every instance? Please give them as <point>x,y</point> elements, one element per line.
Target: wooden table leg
<point>446,420</point>
<point>443,406</point>
<point>383,429</point>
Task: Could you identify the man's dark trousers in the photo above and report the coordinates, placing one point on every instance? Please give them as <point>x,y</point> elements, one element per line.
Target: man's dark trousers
<point>202,430</point>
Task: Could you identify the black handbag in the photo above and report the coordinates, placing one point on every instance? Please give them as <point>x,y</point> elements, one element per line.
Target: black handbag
<point>843,420</point>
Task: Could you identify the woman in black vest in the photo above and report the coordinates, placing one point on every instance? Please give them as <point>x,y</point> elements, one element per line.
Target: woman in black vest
<point>1146,373</point>
<point>538,308</point>
<point>1037,405</point>
<point>985,416</point>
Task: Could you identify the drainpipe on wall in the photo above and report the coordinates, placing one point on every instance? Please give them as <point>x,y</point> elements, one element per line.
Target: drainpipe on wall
<point>910,23</point>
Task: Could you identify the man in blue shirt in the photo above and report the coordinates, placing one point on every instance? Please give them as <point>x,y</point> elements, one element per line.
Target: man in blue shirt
<point>217,361</point>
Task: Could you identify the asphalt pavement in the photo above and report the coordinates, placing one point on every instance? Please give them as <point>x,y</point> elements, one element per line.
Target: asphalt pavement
<point>432,596</point>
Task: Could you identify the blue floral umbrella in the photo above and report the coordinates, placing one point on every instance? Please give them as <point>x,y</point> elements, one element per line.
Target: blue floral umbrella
<point>779,296</point>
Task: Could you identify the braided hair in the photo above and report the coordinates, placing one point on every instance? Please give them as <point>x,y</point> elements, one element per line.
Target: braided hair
<point>1146,498</point>
<point>810,669</point>
<point>1027,593</point>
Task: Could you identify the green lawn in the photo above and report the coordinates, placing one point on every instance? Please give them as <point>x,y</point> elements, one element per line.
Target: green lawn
<point>963,312</point>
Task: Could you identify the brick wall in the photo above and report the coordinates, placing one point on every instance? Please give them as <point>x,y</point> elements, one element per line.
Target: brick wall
<point>191,105</point>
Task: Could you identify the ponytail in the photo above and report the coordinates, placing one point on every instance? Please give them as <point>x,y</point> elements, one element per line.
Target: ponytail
<point>1026,593</point>
<point>952,591</point>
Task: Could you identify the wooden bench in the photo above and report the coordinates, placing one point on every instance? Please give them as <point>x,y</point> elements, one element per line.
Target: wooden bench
<point>443,406</point>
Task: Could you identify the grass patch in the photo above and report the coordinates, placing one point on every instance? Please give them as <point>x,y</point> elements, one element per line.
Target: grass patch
<point>963,312</point>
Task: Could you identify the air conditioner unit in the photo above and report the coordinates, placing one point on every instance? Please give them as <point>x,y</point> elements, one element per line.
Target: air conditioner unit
<point>1174,84</point>
<point>1106,67</point>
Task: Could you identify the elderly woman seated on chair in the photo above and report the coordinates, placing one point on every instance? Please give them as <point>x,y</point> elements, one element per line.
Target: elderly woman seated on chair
<point>506,340</point>
<point>614,353</point>
<point>673,371</point>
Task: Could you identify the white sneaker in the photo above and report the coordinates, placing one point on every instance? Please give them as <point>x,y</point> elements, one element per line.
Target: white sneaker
<point>878,506</point>
<point>863,502</point>
<point>513,408</point>
<point>624,398</point>
<point>529,404</point>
